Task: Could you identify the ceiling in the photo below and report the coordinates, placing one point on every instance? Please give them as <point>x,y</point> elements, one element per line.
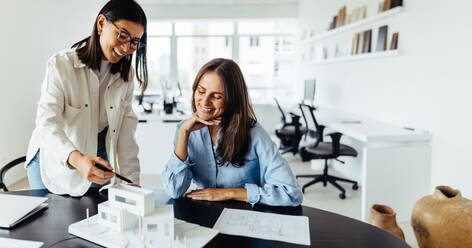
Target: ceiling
<point>217,2</point>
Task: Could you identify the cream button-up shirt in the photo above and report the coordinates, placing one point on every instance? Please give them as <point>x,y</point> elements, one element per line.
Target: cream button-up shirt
<point>68,118</point>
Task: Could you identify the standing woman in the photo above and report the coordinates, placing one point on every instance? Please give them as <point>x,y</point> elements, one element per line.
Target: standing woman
<point>84,113</point>
<point>224,150</point>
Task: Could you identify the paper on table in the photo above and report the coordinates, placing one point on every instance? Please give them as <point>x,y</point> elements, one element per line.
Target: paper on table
<point>197,235</point>
<point>288,228</point>
<point>18,243</point>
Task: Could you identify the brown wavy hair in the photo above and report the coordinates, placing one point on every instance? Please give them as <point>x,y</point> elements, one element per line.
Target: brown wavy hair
<point>238,117</point>
<point>89,50</point>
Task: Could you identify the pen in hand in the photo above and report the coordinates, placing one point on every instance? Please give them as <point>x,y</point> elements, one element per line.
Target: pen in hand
<point>103,168</point>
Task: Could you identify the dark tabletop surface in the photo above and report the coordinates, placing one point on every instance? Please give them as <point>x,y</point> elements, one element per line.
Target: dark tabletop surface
<point>326,229</point>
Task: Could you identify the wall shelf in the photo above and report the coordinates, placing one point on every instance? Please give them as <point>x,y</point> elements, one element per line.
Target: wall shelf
<point>353,25</point>
<point>388,53</point>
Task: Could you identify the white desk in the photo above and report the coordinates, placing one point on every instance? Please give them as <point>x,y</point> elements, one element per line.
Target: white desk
<point>395,162</point>
<point>154,135</point>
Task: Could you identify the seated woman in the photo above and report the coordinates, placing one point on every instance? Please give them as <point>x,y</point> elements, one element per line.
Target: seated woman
<point>224,150</point>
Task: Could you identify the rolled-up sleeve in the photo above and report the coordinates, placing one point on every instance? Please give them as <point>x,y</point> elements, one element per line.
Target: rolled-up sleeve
<point>279,186</point>
<point>177,174</point>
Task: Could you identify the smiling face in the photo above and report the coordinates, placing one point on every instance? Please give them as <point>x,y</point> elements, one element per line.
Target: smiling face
<point>112,49</point>
<point>209,96</point>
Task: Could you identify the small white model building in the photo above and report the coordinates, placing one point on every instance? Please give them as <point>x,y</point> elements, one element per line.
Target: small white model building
<point>130,219</point>
<point>159,226</point>
<point>136,200</point>
<point>127,204</point>
<point>117,219</point>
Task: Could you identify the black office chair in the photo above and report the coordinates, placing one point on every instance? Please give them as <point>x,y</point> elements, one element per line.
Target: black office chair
<point>290,133</point>
<point>325,150</point>
<point>8,166</point>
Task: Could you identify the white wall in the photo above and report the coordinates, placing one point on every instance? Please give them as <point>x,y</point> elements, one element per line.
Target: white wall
<point>427,87</point>
<point>32,30</point>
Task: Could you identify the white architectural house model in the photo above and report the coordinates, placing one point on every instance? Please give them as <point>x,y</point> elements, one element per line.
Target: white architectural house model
<point>130,219</point>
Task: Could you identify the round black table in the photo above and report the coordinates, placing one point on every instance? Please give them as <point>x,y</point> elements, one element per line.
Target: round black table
<point>326,229</point>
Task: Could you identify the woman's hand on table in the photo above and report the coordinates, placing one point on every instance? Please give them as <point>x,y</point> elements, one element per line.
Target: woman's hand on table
<point>218,194</point>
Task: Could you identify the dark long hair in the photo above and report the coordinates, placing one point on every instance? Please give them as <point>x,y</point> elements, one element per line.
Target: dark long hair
<point>89,50</point>
<point>238,117</point>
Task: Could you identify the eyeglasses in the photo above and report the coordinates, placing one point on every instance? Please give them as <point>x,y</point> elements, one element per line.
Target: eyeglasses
<point>125,37</point>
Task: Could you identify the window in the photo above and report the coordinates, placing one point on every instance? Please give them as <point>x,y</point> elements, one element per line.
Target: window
<point>166,229</point>
<point>158,62</point>
<point>194,52</point>
<point>204,28</point>
<point>113,218</point>
<point>264,49</point>
<point>104,215</point>
<point>152,227</point>
<point>125,200</point>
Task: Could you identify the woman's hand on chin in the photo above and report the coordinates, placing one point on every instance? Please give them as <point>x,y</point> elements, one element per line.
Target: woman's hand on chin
<point>218,194</point>
<point>195,123</point>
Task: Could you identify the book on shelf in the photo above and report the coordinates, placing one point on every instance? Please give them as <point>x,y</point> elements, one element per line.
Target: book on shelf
<point>343,20</point>
<point>355,44</point>
<point>332,25</point>
<point>394,43</point>
<point>341,17</point>
<point>382,39</point>
<point>396,3</point>
<point>349,18</point>
<point>363,12</point>
<point>381,7</point>
<point>366,44</point>
<point>387,4</point>
<point>361,43</point>
<point>355,15</point>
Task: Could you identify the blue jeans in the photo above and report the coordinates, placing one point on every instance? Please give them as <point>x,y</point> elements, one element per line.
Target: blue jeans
<point>33,169</point>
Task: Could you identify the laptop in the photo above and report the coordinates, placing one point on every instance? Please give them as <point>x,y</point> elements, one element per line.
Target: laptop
<point>16,208</point>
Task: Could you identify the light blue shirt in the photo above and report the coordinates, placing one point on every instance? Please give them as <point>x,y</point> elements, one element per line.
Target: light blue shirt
<point>265,174</point>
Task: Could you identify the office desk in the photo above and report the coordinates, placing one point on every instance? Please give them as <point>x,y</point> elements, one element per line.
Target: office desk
<point>395,162</point>
<point>326,229</point>
<point>154,135</point>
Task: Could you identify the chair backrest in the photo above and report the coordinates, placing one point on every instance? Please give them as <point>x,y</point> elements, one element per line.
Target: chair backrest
<point>307,110</point>
<point>315,130</point>
<point>8,166</point>
<point>284,120</point>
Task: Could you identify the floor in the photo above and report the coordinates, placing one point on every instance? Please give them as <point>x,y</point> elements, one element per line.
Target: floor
<point>325,198</point>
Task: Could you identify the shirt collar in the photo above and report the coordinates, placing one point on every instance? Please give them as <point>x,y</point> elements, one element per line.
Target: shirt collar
<point>77,62</point>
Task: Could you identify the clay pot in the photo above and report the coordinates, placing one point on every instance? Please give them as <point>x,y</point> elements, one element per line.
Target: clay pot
<point>383,217</point>
<point>443,219</point>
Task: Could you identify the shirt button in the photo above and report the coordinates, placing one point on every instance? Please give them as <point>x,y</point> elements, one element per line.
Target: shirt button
<point>86,105</point>
<point>114,130</point>
<point>108,87</point>
<point>111,107</point>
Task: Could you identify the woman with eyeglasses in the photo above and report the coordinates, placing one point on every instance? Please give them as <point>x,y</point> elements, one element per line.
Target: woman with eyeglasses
<point>222,148</point>
<point>84,114</point>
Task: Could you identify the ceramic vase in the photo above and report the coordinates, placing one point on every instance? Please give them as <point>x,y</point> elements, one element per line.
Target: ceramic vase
<point>443,219</point>
<point>384,217</point>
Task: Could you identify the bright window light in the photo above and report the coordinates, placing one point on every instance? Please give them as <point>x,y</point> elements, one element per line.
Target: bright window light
<point>204,28</point>
<point>264,49</point>
<point>159,28</point>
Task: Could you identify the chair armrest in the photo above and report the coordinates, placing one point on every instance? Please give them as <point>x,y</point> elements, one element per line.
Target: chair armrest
<point>295,119</point>
<point>293,114</point>
<point>336,142</point>
<point>320,132</point>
